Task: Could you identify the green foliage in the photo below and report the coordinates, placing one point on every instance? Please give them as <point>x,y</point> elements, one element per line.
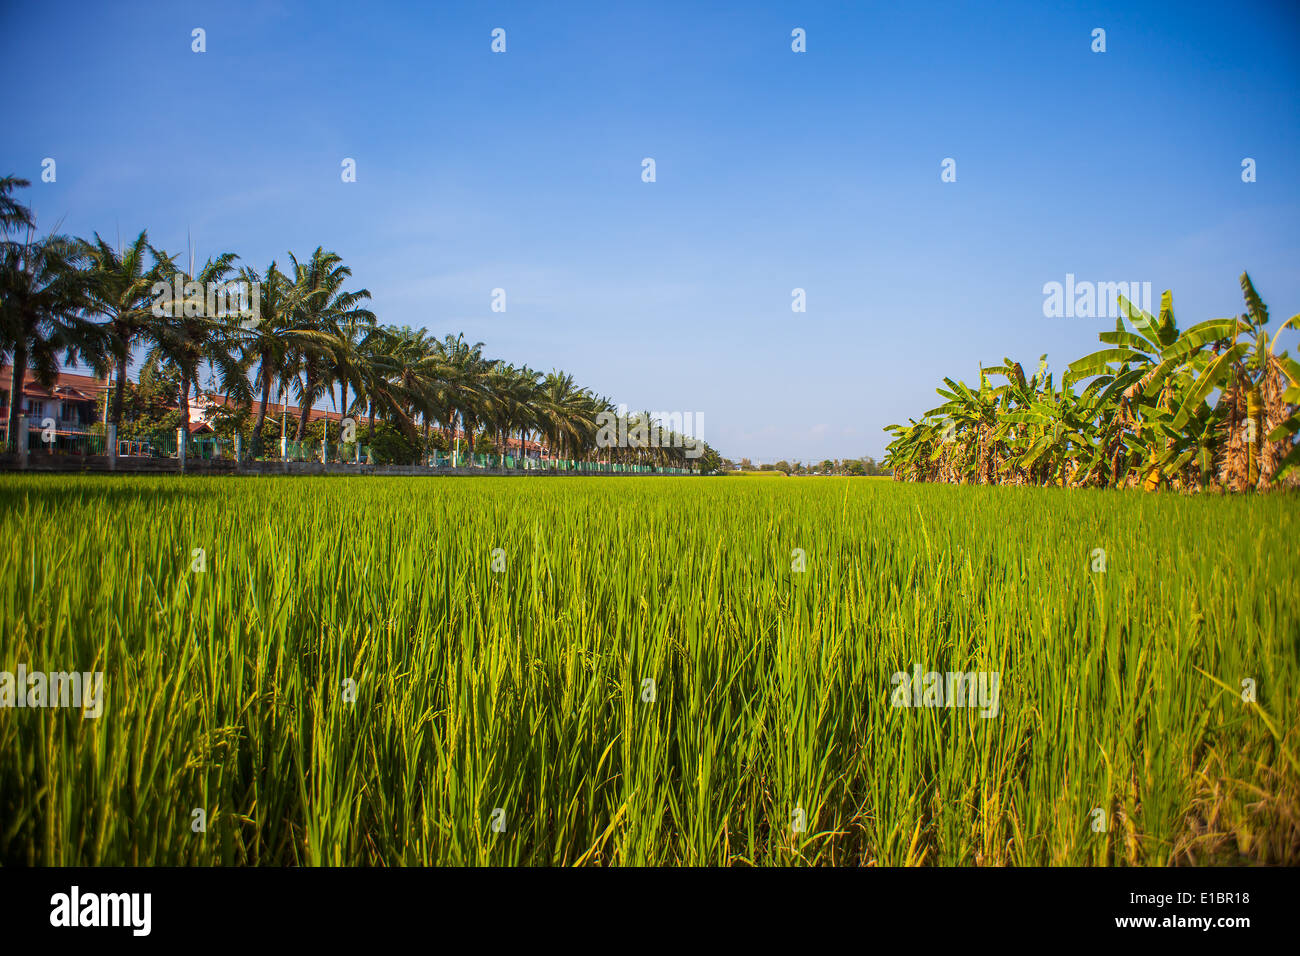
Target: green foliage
<point>310,339</point>
<point>1212,406</point>
<point>149,408</point>
<point>391,447</point>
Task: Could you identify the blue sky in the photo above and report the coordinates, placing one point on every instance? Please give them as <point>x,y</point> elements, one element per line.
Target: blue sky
<point>775,170</point>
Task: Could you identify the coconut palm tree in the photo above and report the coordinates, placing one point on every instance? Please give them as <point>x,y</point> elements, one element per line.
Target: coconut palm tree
<point>348,323</point>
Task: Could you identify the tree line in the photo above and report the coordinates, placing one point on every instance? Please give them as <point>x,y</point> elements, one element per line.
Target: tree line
<point>312,338</point>
<point>1213,407</point>
<point>859,467</point>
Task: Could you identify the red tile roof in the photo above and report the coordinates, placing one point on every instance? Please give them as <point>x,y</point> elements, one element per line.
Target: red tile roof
<point>68,385</point>
<point>72,386</point>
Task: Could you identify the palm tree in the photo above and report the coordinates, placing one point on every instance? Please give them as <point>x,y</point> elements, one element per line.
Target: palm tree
<point>348,324</point>
<point>466,372</point>
<point>415,370</point>
<point>186,336</point>
<point>14,216</point>
<point>310,335</point>
<point>268,341</point>
<point>566,413</point>
<point>371,363</point>
<point>42,313</point>
<point>121,285</point>
<point>512,393</point>
<point>333,320</point>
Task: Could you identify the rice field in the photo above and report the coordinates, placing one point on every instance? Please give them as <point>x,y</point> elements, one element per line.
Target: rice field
<point>648,671</point>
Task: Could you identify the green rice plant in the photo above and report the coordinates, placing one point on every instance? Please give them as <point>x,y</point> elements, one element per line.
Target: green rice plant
<point>646,671</point>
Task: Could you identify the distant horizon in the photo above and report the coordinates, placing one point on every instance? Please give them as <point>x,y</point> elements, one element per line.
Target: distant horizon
<point>916,210</point>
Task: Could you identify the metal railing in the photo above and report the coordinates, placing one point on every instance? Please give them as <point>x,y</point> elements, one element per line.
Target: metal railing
<point>41,442</point>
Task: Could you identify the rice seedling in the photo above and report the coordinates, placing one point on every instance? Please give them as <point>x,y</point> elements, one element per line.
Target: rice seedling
<point>405,671</point>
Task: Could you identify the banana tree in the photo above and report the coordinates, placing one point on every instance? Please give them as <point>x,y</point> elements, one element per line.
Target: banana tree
<point>1146,374</point>
<point>1259,388</point>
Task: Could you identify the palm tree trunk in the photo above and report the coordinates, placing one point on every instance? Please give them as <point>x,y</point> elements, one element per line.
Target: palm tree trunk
<point>256,443</point>
<point>16,393</point>
<point>306,407</point>
<point>185,402</point>
<point>119,389</point>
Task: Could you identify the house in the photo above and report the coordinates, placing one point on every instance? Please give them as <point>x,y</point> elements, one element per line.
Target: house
<point>71,402</point>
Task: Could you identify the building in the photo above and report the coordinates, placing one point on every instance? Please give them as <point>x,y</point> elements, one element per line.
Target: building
<point>71,402</point>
